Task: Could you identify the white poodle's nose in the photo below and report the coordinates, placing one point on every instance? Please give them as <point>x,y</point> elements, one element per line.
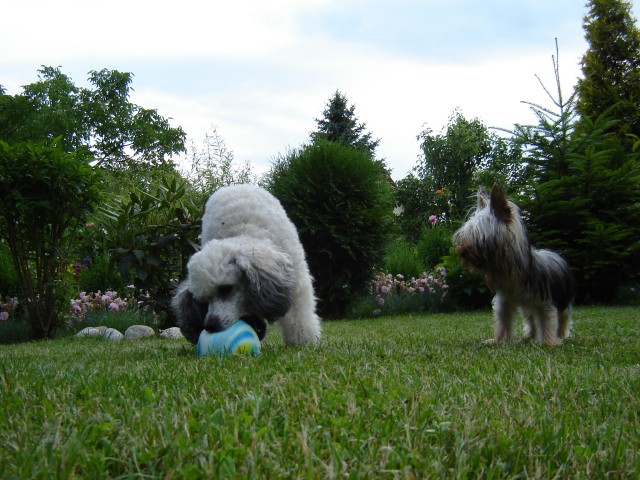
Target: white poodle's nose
<point>213,324</point>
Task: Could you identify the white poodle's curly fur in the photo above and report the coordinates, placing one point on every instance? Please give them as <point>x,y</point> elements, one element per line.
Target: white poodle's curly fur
<point>251,266</point>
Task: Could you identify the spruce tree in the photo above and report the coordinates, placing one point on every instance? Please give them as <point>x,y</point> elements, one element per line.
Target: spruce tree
<point>584,193</point>
<point>611,67</point>
<point>340,124</point>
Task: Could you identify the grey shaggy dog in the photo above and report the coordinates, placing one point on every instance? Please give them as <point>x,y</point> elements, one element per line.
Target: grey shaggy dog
<point>251,266</point>
<point>494,241</point>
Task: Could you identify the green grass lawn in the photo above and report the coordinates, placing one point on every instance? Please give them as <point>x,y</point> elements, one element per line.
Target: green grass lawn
<point>400,397</point>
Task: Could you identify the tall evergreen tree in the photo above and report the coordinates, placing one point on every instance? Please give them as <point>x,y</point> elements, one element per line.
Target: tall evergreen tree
<point>611,66</point>
<point>584,194</point>
<point>340,124</point>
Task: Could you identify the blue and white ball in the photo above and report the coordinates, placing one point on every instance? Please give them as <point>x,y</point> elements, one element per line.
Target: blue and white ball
<point>238,338</point>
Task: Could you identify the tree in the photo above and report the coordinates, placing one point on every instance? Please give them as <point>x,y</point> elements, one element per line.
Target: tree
<point>611,67</point>
<point>55,136</point>
<point>453,164</point>
<point>45,195</point>
<point>100,120</point>
<point>213,167</point>
<point>584,194</point>
<point>342,207</point>
<point>340,124</point>
<point>450,160</point>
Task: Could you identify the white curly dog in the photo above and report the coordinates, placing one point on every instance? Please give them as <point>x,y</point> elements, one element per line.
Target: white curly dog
<point>251,266</point>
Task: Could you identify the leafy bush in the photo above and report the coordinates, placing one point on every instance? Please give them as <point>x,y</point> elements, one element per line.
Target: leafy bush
<point>466,289</point>
<point>434,243</point>
<point>95,272</point>
<point>8,276</point>
<point>342,206</point>
<point>153,234</point>
<point>402,258</point>
<point>45,195</point>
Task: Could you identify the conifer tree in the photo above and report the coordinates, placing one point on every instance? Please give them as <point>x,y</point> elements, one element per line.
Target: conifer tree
<point>611,67</point>
<point>584,194</point>
<point>340,124</point>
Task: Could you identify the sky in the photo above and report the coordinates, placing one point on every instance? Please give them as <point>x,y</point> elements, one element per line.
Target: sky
<point>261,72</point>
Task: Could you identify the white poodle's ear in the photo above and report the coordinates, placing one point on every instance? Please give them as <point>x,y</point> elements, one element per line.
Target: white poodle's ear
<point>271,281</point>
<point>189,312</point>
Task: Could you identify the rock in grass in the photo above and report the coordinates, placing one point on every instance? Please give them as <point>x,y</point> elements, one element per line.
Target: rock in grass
<point>91,332</point>
<point>172,332</point>
<point>135,332</point>
<point>113,334</point>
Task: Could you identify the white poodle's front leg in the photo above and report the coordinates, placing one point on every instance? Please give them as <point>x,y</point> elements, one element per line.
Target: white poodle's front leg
<point>300,325</point>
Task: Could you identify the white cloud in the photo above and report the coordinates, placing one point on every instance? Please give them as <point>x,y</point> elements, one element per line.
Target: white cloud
<point>121,29</point>
<point>263,71</point>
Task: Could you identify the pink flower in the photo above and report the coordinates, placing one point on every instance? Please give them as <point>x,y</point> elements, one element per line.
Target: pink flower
<point>90,225</point>
<point>433,219</point>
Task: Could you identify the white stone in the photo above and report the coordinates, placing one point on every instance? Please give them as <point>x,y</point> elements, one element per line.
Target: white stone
<point>135,332</point>
<point>90,332</point>
<point>173,332</point>
<point>113,334</point>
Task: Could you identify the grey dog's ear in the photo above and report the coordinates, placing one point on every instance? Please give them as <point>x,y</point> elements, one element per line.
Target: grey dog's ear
<point>271,281</point>
<point>189,312</point>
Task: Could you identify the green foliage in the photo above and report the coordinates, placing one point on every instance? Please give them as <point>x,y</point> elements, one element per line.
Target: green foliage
<point>434,243</point>
<point>153,233</point>
<point>97,273</point>
<point>213,167</point>
<point>342,206</point>
<point>417,200</point>
<point>8,277</point>
<point>402,258</point>
<point>45,194</point>
<point>453,164</point>
<point>100,120</point>
<point>466,289</point>
<point>450,160</point>
<point>340,124</point>
<point>414,396</point>
<point>585,195</point>
<point>611,67</point>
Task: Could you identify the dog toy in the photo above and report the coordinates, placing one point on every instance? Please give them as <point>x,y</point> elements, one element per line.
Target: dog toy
<point>238,338</point>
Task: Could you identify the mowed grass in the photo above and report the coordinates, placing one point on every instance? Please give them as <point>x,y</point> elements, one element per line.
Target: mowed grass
<point>401,397</point>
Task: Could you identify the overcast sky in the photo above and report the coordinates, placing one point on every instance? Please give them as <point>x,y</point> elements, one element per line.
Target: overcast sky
<point>262,71</point>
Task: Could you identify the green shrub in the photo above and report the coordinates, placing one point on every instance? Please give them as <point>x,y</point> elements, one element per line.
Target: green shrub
<point>45,195</point>
<point>342,205</point>
<point>434,243</point>
<point>8,277</point>
<point>153,233</point>
<point>402,258</point>
<point>96,273</point>
<point>466,289</point>
<point>15,330</point>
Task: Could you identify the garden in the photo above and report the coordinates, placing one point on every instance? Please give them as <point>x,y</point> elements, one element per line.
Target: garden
<point>101,203</point>
<point>408,396</point>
